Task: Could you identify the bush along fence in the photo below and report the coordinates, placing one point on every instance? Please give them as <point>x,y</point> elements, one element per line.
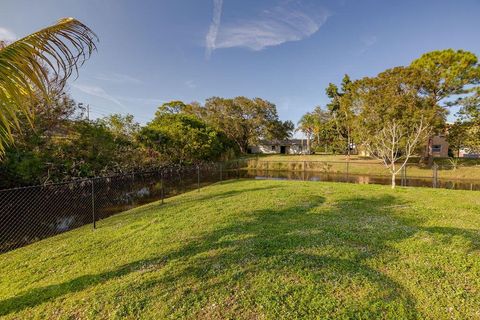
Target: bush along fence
<point>29,214</point>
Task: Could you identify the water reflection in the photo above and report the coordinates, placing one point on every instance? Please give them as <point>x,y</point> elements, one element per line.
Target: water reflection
<point>360,179</point>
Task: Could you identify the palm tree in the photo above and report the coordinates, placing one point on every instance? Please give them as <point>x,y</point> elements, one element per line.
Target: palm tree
<point>29,64</point>
<point>307,125</point>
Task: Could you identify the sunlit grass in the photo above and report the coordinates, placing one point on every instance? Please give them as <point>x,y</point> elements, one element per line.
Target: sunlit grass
<point>261,249</point>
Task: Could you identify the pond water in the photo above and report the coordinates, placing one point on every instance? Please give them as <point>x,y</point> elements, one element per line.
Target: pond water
<point>361,179</point>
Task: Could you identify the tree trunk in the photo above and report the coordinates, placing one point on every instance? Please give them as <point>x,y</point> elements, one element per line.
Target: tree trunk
<point>308,144</point>
<point>393,180</point>
<point>348,144</point>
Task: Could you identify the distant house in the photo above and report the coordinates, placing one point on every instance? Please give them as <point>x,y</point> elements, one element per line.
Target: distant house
<point>292,146</point>
<point>437,147</point>
<point>466,153</point>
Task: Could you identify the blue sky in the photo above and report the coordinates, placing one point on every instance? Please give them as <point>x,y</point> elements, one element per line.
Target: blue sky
<point>284,51</point>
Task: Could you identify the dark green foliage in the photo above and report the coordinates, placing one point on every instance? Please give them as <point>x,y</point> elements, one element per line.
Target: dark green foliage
<point>468,122</point>
<point>62,145</point>
<point>245,121</point>
<point>183,138</point>
<point>241,120</point>
<point>445,73</point>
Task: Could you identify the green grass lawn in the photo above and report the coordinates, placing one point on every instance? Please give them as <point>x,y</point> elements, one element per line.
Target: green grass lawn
<point>468,169</point>
<point>261,249</point>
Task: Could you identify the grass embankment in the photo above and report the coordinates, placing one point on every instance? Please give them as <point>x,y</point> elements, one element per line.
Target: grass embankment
<point>261,249</point>
<point>466,168</point>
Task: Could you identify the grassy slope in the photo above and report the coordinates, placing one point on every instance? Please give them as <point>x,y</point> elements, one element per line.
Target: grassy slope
<point>467,169</point>
<point>261,249</point>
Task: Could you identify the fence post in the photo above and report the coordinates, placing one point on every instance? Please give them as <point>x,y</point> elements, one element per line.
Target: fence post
<point>161,182</point>
<point>180,174</point>
<point>347,164</point>
<point>238,169</point>
<point>304,170</point>
<point>93,204</point>
<point>198,178</point>
<point>221,173</point>
<point>435,175</point>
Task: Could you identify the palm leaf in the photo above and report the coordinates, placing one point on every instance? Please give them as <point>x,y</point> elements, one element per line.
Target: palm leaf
<point>27,65</point>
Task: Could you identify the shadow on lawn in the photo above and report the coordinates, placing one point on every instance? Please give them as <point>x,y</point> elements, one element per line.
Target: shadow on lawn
<point>299,251</point>
<point>197,198</point>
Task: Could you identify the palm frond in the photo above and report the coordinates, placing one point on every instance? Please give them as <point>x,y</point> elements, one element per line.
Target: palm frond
<point>28,64</point>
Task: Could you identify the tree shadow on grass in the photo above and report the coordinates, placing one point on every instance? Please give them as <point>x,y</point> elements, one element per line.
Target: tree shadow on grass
<point>295,243</point>
<point>221,195</point>
<point>40,295</point>
<point>303,260</point>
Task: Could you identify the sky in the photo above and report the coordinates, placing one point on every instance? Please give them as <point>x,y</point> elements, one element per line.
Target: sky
<point>285,51</point>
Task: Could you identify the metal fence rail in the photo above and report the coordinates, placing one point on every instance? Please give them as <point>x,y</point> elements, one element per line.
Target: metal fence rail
<point>29,214</point>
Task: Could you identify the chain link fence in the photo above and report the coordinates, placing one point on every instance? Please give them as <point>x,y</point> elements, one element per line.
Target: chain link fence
<point>29,214</point>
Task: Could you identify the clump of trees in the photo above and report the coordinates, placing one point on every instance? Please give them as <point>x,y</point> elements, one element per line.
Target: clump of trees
<point>233,124</point>
<point>61,144</point>
<point>392,114</point>
<point>183,138</point>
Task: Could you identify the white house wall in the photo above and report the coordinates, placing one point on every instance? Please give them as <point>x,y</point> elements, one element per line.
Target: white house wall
<point>265,149</point>
<point>295,149</point>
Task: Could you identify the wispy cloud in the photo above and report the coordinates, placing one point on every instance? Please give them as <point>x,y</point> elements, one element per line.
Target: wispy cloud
<point>118,78</point>
<point>97,91</point>
<point>289,21</point>
<point>367,42</point>
<point>191,84</point>
<point>7,35</point>
<point>214,26</point>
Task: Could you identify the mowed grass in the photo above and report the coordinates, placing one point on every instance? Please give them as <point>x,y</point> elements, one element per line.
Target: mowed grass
<point>261,250</point>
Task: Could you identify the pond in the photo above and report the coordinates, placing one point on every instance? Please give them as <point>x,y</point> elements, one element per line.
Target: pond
<point>458,184</point>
